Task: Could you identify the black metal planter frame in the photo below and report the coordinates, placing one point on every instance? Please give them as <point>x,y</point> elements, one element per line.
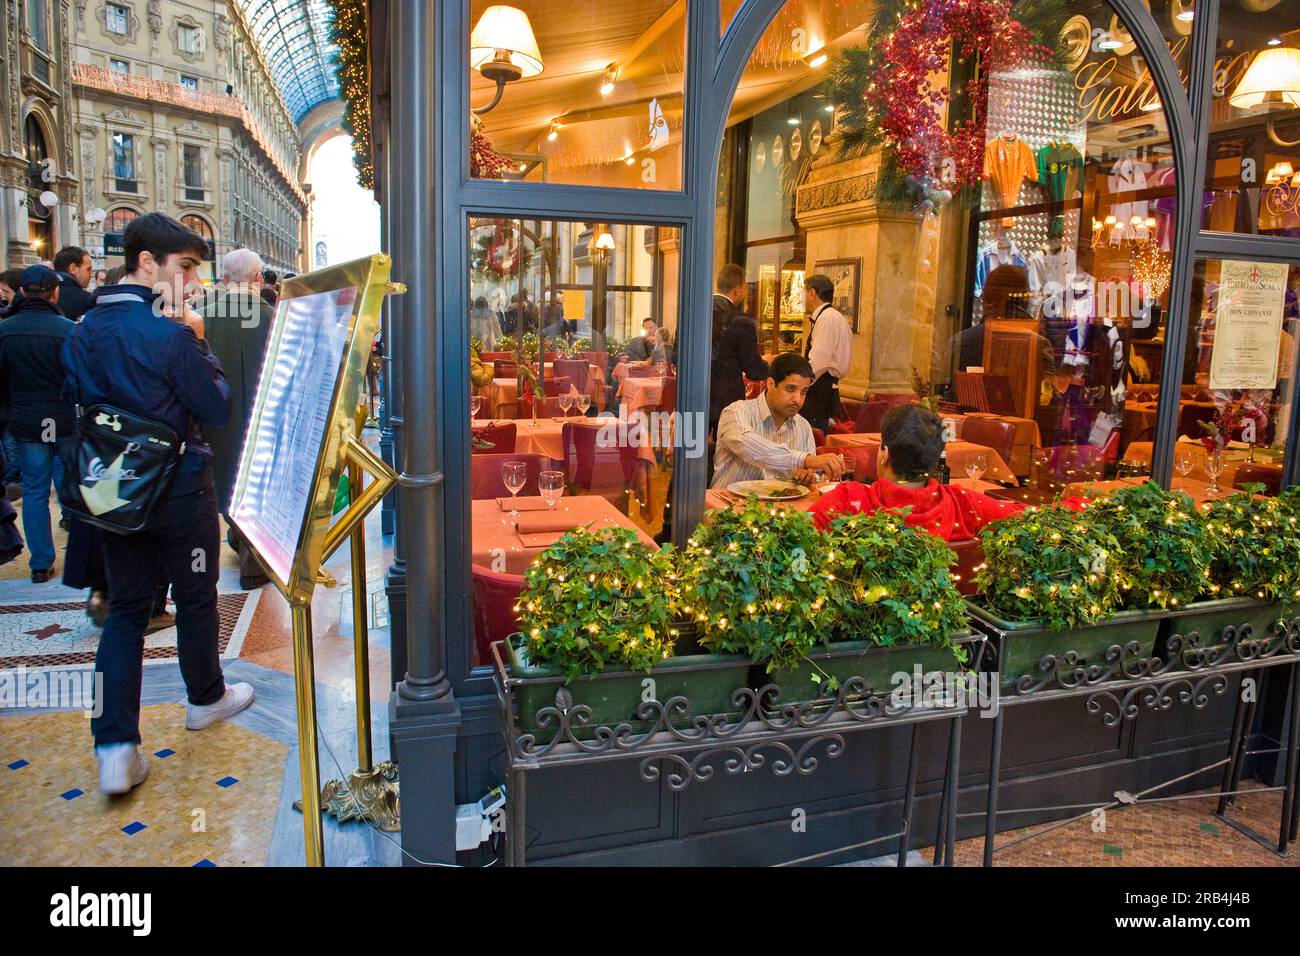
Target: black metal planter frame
<point>786,738</point>
<point>1187,670</point>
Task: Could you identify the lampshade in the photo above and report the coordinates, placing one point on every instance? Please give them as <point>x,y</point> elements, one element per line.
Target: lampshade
<point>1273,78</point>
<point>505,29</point>
<point>605,241</point>
<point>1284,170</point>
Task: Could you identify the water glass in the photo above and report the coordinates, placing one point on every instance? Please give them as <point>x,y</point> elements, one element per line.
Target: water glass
<point>584,403</point>
<point>514,475</point>
<point>551,485</point>
<point>566,403</point>
<point>976,465</point>
<point>475,403</point>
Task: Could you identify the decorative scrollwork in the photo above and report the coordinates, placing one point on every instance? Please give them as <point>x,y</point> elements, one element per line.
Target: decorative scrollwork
<point>1114,708</point>
<point>1064,672</point>
<point>781,757</point>
<point>1235,644</point>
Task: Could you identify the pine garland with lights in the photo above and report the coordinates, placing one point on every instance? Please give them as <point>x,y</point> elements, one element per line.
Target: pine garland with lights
<point>349,31</point>
<point>886,100</point>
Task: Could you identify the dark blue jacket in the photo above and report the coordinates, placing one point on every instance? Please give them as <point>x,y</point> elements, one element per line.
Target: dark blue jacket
<point>31,371</point>
<point>74,301</point>
<point>123,354</point>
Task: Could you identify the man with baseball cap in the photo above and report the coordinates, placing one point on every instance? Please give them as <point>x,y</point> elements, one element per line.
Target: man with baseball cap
<point>31,388</point>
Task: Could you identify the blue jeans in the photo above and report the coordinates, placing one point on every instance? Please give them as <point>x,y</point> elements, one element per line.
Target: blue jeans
<point>13,469</point>
<point>40,464</point>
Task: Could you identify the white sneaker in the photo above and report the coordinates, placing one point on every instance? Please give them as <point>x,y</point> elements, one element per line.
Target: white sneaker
<point>236,698</point>
<point>121,767</point>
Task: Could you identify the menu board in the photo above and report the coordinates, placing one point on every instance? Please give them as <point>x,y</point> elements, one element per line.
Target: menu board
<point>1248,325</point>
<point>295,402</point>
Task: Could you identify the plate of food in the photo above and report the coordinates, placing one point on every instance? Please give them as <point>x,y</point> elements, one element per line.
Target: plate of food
<point>767,489</point>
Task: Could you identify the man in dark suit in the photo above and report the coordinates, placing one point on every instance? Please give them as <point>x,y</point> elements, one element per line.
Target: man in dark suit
<point>735,343</point>
<point>72,264</point>
<point>237,323</point>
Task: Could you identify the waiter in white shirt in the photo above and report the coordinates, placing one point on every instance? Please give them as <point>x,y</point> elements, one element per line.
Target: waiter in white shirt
<point>830,349</point>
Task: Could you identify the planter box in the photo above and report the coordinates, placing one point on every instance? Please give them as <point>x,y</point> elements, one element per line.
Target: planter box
<point>1025,643</point>
<point>1209,618</point>
<point>706,680</point>
<point>874,663</point>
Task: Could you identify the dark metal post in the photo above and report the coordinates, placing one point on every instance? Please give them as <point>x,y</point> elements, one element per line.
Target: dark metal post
<point>424,716</point>
<point>388,510</point>
<point>995,772</point>
<point>909,796</point>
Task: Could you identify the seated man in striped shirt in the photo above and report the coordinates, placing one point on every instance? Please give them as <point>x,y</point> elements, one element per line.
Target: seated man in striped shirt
<point>766,437</point>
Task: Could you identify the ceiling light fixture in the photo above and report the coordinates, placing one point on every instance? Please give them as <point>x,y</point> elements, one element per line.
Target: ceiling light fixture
<point>608,80</point>
<point>817,58</point>
<point>1276,41</point>
<point>1110,43</point>
<point>554,133</point>
<point>502,48</point>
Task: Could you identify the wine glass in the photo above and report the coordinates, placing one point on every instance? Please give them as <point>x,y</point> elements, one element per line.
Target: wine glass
<point>1214,468</point>
<point>551,485</point>
<point>1183,463</point>
<point>976,465</point>
<point>566,403</point>
<point>584,403</point>
<point>475,403</point>
<point>514,475</point>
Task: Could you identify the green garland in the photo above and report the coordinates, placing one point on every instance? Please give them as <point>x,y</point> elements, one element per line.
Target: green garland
<point>349,31</point>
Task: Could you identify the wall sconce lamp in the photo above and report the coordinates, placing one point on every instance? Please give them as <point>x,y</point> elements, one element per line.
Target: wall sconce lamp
<point>554,132</point>
<point>1272,81</point>
<point>608,79</point>
<point>502,48</point>
<point>605,242</point>
<point>816,59</point>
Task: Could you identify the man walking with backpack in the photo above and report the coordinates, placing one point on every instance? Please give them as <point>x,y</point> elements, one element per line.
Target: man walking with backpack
<point>141,350</point>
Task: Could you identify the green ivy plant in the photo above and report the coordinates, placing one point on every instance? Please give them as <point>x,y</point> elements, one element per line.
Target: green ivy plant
<point>529,345</point>
<point>755,581</point>
<point>1254,545</point>
<point>506,343</point>
<point>1050,565</point>
<point>596,599</point>
<point>1163,558</point>
<point>581,345</point>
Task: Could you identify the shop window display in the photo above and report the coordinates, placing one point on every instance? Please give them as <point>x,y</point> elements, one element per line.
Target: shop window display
<point>995,215</point>
<point>1253,169</point>
<point>558,100</point>
<point>573,329</point>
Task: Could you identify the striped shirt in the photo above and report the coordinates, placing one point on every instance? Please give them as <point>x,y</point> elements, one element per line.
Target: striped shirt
<point>750,445</point>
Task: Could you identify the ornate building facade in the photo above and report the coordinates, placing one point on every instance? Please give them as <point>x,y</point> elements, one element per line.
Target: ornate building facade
<point>147,106</point>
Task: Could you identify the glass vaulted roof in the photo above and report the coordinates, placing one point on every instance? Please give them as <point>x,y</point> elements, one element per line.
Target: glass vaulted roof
<point>294,37</point>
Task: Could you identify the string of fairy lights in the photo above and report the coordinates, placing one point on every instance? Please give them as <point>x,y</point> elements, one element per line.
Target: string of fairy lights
<point>349,31</point>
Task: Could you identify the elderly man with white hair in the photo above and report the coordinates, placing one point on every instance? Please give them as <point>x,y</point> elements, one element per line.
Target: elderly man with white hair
<point>237,323</point>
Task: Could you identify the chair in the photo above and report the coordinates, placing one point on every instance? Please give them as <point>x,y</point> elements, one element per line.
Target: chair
<point>575,371</point>
<point>1270,476</point>
<point>994,433</point>
<point>495,596</point>
<point>849,411</point>
<point>985,393</point>
<point>642,371</point>
<point>555,386</point>
<point>861,459</point>
<point>595,468</point>
<point>668,397</point>
<point>500,436</point>
<point>819,436</point>
<point>549,408</point>
<point>598,359</point>
<point>970,555</point>
<point>1190,415</point>
<point>485,474</point>
<point>504,369</point>
<point>871,415</point>
<point>494,356</point>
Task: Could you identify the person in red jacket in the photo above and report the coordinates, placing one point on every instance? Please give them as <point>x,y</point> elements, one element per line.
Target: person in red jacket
<point>911,441</point>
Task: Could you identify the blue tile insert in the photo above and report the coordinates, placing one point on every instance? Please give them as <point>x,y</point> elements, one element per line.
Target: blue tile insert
<point>205,862</point>
<point>131,829</point>
<point>17,765</point>
<point>71,794</point>
<point>165,752</point>
<point>226,782</point>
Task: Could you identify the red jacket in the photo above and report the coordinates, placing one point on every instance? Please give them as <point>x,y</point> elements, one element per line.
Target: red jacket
<point>950,512</point>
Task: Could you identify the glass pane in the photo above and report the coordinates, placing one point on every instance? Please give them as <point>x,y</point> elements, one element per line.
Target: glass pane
<point>1252,183</point>
<point>597,107</point>
<point>37,24</point>
<point>1014,273</point>
<point>727,11</point>
<point>596,403</point>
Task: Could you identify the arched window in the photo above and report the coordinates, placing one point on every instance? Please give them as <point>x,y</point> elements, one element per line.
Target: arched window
<point>200,225</point>
<point>40,173</point>
<point>118,219</point>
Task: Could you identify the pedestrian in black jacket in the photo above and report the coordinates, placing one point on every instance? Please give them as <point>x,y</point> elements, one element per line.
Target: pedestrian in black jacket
<point>142,350</point>
<point>39,417</point>
<point>735,343</point>
<point>73,266</point>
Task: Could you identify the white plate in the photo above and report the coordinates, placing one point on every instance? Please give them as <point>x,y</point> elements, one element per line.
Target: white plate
<point>764,489</point>
<point>827,488</point>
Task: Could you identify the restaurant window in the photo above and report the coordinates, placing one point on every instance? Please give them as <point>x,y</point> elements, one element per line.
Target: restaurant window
<point>124,180</point>
<point>1238,378</point>
<point>575,328</point>
<point>117,19</point>
<point>1253,169</point>
<point>1013,273</point>
<point>578,104</point>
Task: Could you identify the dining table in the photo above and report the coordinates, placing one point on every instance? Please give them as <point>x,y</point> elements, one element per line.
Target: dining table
<point>723,498</point>
<point>1233,457</point>
<point>504,544</point>
<point>1025,439</point>
<point>635,393</point>
<point>959,453</point>
<point>545,436</point>
<point>502,394</point>
<point>1195,488</point>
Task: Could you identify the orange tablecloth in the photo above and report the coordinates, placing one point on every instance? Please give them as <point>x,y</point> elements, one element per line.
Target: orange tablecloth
<point>1198,490</point>
<point>644,392</point>
<point>545,436</point>
<point>501,395</point>
<point>1025,440</point>
<point>959,452</point>
<point>1140,451</point>
<point>494,540</point>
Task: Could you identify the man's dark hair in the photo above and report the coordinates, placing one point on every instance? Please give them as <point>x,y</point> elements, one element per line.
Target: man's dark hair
<point>10,278</point>
<point>822,285</point>
<point>914,437</point>
<point>481,302</point>
<point>69,256</point>
<point>269,277</point>
<point>161,236</point>
<point>649,319</point>
<point>730,276</point>
<point>787,364</point>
